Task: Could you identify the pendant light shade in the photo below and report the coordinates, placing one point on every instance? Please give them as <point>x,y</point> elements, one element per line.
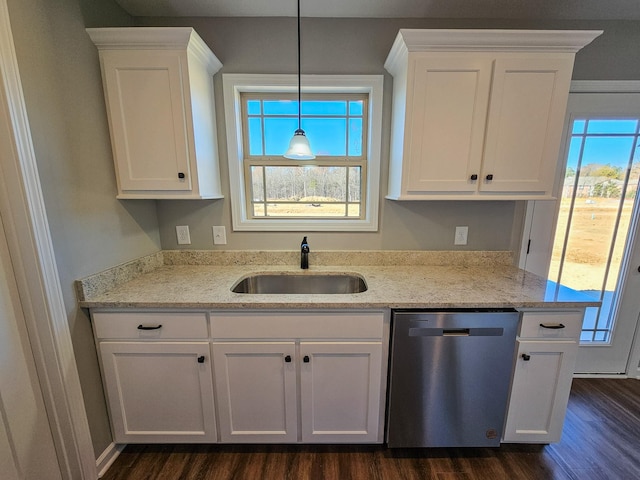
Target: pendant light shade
<point>299,148</point>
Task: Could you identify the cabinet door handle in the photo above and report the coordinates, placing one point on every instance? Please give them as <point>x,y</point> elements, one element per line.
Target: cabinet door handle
<point>474,177</point>
<point>287,359</point>
<point>180,175</point>
<point>526,357</point>
<point>306,359</point>
<point>554,326</point>
<point>201,359</point>
<point>142,327</point>
<point>489,177</point>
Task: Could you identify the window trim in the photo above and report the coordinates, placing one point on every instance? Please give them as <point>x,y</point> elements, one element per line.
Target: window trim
<point>234,84</point>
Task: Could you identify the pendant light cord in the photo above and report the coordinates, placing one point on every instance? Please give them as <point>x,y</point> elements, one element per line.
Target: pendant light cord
<point>299,83</point>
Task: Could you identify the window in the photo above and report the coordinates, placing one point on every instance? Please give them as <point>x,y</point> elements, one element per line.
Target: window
<point>338,190</point>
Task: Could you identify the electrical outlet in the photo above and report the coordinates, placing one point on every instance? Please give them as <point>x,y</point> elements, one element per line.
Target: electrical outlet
<point>182,232</point>
<point>219,235</point>
<point>461,236</point>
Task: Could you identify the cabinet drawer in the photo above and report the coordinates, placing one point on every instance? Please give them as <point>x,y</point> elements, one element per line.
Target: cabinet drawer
<point>275,325</point>
<point>150,325</point>
<point>550,325</point>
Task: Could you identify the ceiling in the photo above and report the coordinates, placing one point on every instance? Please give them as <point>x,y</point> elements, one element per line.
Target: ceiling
<point>507,9</point>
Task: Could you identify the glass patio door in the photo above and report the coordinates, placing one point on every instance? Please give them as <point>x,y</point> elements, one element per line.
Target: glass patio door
<point>595,249</point>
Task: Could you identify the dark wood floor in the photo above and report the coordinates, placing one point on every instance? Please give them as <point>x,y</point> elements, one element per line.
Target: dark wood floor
<point>601,440</point>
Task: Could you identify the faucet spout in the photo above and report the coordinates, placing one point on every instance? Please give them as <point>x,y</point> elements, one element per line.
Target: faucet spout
<point>304,254</point>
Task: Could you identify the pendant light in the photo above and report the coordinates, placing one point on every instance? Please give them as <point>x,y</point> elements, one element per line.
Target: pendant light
<point>299,148</point>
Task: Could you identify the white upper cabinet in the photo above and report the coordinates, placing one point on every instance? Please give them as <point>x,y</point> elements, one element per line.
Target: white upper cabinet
<point>158,85</point>
<point>478,114</point>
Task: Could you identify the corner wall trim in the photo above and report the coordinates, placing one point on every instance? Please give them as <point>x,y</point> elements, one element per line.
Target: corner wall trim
<point>106,459</point>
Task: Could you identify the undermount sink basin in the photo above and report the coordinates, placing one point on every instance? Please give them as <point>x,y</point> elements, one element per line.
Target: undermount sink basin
<point>308,284</point>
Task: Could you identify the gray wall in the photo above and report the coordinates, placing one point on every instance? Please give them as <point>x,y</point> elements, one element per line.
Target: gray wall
<point>360,46</point>
<point>90,229</point>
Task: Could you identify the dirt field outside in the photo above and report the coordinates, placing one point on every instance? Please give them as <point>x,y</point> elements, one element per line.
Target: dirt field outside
<point>589,243</point>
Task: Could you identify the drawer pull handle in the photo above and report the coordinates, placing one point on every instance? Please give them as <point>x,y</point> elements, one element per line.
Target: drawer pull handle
<point>306,359</point>
<point>142,327</point>
<point>474,176</point>
<point>201,359</point>
<point>287,359</point>
<point>553,326</point>
<point>526,357</point>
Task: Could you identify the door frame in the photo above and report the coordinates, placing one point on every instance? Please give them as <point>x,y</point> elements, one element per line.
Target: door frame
<point>543,244</point>
<point>33,260</point>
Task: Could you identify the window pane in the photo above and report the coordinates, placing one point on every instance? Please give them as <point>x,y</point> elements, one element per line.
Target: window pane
<point>253,107</point>
<point>306,183</point>
<point>327,136</point>
<point>277,134</point>
<point>356,108</point>
<point>281,107</point>
<point>257,184</point>
<point>355,137</point>
<point>305,191</point>
<point>353,210</point>
<point>612,126</point>
<point>255,136</point>
<point>355,181</point>
<point>324,107</point>
<point>258,210</point>
<point>578,126</point>
<point>606,156</point>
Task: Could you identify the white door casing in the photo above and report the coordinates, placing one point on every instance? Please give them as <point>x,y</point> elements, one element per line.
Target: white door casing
<point>26,444</point>
<point>32,257</point>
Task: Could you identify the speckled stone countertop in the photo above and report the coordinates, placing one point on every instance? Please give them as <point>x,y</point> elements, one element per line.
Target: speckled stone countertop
<point>203,280</point>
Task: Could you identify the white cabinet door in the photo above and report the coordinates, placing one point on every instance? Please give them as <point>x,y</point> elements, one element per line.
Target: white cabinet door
<point>147,114</point>
<point>340,391</point>
<point>540,391</point>
<point>159,392</point>
<point>524,125</point>
<point>256,391</point>
<point>158,86</point>
<point>446,113</point>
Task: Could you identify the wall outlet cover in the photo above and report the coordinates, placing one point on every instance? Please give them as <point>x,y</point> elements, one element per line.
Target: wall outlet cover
<point>461,235</point>
<point>182,232</point>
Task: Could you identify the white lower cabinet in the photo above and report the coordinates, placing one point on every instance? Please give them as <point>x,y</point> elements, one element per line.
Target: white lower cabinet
<point>279,377</point>
<point>340,391</point>
<point>256,388</point>
<point>322,384</point>
<point>159,392</point>
<point>546,351</point>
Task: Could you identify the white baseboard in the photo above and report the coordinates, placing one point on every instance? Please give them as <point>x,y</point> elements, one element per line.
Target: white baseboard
<point>109,456</point>
<point>600,375</point>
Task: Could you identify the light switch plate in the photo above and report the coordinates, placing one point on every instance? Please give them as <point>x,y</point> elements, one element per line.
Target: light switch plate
<point>461,235</point>
<point>219,235</point>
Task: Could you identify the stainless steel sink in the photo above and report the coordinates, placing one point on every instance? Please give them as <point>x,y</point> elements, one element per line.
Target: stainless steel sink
<point>308,284</point>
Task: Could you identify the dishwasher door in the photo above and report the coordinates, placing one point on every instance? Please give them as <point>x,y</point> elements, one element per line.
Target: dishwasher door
<point>450,377</point>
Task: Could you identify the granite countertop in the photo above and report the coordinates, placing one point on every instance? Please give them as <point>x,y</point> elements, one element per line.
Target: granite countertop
<point>203,280</point>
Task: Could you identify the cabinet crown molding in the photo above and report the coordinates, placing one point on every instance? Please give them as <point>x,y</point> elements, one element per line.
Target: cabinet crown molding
<point>452,40</point>
<point>155,38</point>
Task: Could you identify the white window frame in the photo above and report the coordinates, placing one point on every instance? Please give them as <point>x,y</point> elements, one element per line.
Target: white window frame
<point>235,84</point>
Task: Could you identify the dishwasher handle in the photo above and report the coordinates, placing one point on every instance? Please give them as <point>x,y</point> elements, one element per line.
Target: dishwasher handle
<point>456,332</point>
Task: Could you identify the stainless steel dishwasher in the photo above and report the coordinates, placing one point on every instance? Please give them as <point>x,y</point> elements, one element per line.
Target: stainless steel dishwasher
<point>450,375</point>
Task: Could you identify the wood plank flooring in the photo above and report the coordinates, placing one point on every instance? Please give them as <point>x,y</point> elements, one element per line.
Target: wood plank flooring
<point>601,440</point>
